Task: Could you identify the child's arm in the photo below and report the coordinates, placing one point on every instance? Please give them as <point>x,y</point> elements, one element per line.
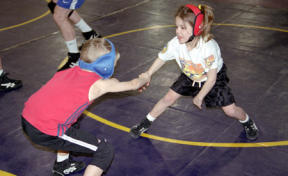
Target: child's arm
<point>114,85</point>
<point>208,85</point>
<point>157,64</point>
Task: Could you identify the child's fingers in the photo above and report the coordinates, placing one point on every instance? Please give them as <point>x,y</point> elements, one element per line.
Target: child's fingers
<point>197,103</point>
<point>141,89</point>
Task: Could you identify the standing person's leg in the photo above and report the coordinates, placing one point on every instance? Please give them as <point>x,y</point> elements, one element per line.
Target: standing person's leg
<point>67,30</point>
<point>65,16</point>
<point>87,31</point>
<point>238,113</point>
<point>156,111</point>
<point>60,17</point>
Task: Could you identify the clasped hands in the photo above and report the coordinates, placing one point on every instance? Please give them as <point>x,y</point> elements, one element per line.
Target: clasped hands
<point>146,78</point>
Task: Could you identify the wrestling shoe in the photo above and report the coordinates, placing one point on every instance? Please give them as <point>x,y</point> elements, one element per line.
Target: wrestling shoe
<point>72,61</point>
<point>137,130</point>
<point>251,130</point>
<point>8,84</point>
<point>66,167</point>
<point>90,35</point>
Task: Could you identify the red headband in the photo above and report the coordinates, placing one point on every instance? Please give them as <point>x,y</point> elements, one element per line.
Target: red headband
<point>198,19</point>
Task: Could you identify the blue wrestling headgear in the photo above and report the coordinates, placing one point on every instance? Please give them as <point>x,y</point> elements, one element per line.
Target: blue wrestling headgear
<point>104,65</point>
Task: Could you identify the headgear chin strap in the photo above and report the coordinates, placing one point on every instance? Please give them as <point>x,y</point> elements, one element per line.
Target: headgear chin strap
<point>104,65</point>
<point>197,21</point>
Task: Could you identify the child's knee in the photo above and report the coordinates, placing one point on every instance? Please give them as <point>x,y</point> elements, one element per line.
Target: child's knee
<point>230,111</point>
<point>168,100</point>
<point>103,156</point>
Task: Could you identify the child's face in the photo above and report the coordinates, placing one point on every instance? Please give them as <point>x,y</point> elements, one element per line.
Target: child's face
<point>183,30</point>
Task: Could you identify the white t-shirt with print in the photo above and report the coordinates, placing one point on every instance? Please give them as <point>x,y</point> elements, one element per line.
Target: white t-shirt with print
<point>197,62</point>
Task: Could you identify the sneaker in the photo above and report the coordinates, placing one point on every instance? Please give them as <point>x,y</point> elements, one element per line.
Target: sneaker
<point>90,35</point>
<point>67,167</point>
<point>137,130</point>
<point>251,130</point>
<point>72,61</point>
<point>8,84</point>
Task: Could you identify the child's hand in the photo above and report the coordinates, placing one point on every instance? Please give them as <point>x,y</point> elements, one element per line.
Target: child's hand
<point>198,101</point>
<point>146,78</point>
<point>141,89</point>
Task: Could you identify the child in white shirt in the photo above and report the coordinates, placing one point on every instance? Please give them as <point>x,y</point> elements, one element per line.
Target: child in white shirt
<point>203,71</point>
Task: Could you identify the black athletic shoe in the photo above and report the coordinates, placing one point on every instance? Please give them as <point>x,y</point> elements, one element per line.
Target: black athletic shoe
<point>251,130</point>
<point>137,130</point>
<point>72,61</point>
<point>90,35</point>
<point>69,166</point>
<point>8,84</point>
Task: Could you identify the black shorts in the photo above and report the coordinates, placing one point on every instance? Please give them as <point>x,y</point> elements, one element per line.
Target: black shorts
<point>75,140</point>
<point>220,95</point>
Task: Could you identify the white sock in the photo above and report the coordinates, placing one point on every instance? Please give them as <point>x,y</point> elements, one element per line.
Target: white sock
<point>72,46</point>
<point>1,71</point>
<point>83,26</point>
<point>246,120</point>
<point>150,118</point>
<point>62,157</point>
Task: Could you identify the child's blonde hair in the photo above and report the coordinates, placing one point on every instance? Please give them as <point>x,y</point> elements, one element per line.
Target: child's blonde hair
<point>187,15</point>
<point>95,48</point>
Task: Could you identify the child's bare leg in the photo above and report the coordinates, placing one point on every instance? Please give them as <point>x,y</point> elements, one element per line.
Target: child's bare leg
<point>238,113</point>
<point>92,170</point>
<point>235,112</point>
<point>168,100</point>
<point>157,110</point>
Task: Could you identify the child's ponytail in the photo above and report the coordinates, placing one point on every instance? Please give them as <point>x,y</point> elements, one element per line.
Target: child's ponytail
<point>207,21</point>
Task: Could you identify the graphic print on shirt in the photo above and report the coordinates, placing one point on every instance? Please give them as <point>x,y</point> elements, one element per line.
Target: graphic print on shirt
<point>196,71</point>
<point>164,49</point>
<point>209,61</point>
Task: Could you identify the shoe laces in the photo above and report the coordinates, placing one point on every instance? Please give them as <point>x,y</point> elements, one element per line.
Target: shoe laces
<point>250,127</point>
<point>95,35</point>
<point>4,78</point>
<point>144,124</point>
<point>73,64</point>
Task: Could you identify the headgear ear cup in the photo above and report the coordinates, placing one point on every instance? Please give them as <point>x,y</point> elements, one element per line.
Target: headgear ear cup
<point>198,19</point>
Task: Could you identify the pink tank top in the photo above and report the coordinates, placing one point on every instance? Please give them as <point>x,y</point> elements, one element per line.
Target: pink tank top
<point>59,103</point>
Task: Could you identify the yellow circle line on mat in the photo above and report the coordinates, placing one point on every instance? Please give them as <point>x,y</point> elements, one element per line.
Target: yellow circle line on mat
<point>26,22</point>
<point>176,141</point>
<point>3,173</point>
